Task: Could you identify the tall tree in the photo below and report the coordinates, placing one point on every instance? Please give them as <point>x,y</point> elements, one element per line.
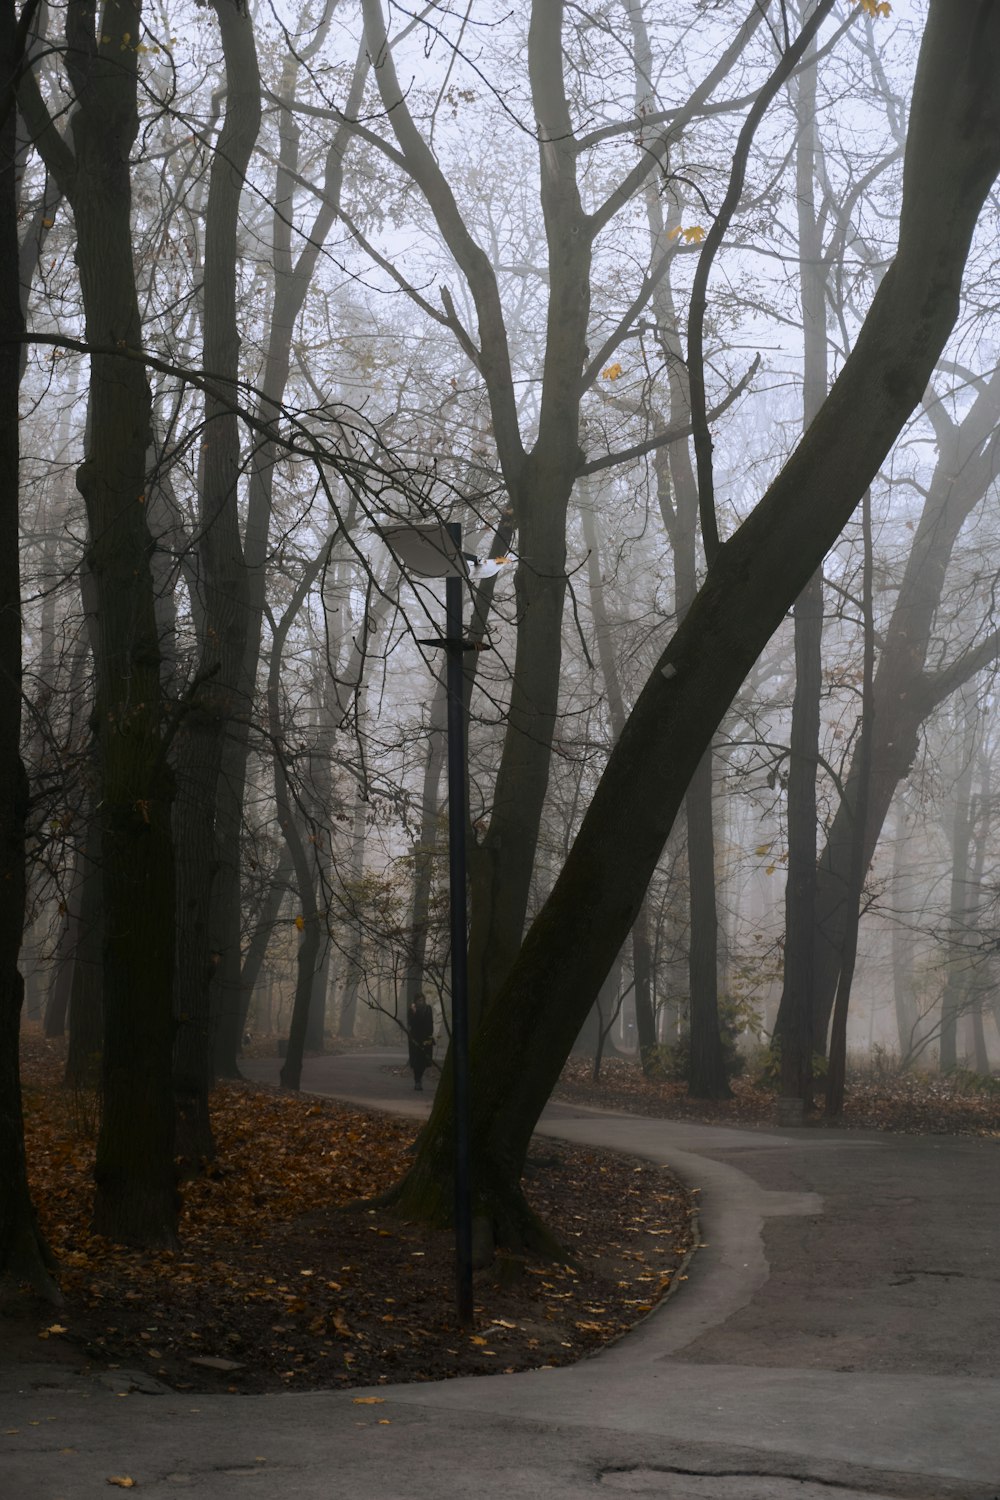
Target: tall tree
<point>905,693</point>
<point>952,160</point>
<point>136,1197</point>
<point>964,897</point>
<point>23,1254</point>
<point>539,468</point>
<point>223,602</point>
<point>803,763</point>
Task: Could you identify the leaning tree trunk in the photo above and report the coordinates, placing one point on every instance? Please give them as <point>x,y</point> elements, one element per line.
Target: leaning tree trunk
<point>953,156</point>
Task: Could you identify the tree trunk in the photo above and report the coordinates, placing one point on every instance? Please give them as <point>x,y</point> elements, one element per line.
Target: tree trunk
<point>57,1005</point>
<point>837,1071</point>
<point>794,1034</point>
<point>291,283</point>
<point>539,483</point>
<point>645,1022</point>
<point>674,473</point>
<point>222,694</point>
<point>796,1039</point>
<point>904,695</point>
<point>964,895</point>
<point>23,1254</point>
<point>707,1068</point>
<point>136,1199</point>
<point>903,975</point>
<point>86,1002</point>
<point>953,156</point>
<point>256,952</point>
<point>425,849</point>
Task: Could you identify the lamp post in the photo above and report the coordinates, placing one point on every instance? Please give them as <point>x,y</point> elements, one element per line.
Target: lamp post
<point>434,550</point>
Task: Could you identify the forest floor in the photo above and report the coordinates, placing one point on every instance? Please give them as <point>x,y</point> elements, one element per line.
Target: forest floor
<point>877,1097</point>
<point>290,1278</point>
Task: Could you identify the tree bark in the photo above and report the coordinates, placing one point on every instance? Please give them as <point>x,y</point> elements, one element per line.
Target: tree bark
<point>964,895</point>
<point>645,1021</point>
<point>796,1040</point>
<point>267,916</point>
<point>223,589</point>
<point>903,975</point>
<point>136,1199</point>
<point>837,1071</point>
<point>23,1253</point>
<point>425,848</point>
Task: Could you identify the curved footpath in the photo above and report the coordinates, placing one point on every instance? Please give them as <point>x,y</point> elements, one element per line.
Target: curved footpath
<point>838,1336</point>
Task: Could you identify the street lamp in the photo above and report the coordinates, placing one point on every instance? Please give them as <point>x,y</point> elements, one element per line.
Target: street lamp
<point>434,550</point>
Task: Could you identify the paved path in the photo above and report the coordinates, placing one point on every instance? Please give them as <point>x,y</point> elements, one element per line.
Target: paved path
<point>838,1336</point>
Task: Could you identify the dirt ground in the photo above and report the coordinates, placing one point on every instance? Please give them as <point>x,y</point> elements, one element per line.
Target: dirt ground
<point>287,1278</point>
<point>878,1097</point>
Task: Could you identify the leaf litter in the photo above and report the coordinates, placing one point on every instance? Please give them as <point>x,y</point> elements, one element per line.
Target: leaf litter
<point>289,1278</point>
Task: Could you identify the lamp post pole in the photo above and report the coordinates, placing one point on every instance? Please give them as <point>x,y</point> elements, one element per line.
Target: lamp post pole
<point>455,647</point>
<point>434,550</point>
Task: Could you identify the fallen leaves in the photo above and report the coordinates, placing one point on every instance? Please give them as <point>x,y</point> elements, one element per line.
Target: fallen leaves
<point>285,1281</point>
<point>917,1103</point>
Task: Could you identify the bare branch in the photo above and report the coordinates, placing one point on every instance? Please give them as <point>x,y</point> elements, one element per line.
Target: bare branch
<point>669,434</point>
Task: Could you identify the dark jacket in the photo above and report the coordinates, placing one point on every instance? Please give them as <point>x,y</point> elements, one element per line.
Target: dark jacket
<point>420,1031</point>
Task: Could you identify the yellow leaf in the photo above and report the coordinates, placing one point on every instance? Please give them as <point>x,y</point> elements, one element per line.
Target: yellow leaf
<point>122,1481</point>
<point>769,870</point>
<point>476,1338</point>
<point>300,923</point>
<point>762,849</point>
<point>612,372</point>
<point>875,8</point>
<point>692,236</point>
<point>369,1400</point>
<point>56,1328</point>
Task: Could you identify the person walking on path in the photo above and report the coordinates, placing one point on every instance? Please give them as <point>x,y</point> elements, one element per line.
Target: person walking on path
<point>420,1031</point>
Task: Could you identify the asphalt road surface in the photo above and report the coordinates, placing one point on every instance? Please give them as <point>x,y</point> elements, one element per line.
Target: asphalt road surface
<point>838,1336</point>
